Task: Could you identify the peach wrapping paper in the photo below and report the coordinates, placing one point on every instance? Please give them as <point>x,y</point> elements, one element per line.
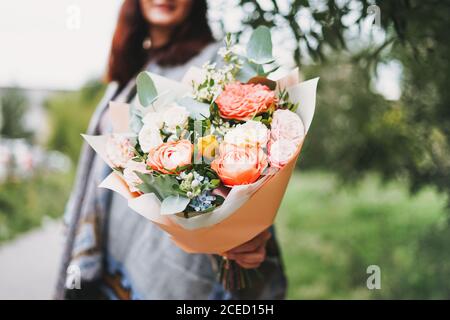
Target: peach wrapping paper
<point>246,211</point>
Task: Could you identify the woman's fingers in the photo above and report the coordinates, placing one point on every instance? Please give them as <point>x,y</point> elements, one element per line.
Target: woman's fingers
<point>257,256</point>
<point>253,244</point>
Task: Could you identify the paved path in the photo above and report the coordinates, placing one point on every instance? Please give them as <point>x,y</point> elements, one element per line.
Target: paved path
<point>29,264</point>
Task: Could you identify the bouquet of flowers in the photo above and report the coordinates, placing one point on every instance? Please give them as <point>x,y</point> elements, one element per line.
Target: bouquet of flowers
<point>208,159</point>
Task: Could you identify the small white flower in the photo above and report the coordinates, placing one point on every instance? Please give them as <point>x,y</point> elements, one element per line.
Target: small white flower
<point>149,137</point>
<point>195,183</point>
<point>249,133</point>
<point>175,116</point>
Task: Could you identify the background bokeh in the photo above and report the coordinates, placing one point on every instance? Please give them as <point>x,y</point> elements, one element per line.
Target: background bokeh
<point>373,180</point>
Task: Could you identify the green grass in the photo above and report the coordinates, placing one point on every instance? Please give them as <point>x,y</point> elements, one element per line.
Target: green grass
<point>329,235</point>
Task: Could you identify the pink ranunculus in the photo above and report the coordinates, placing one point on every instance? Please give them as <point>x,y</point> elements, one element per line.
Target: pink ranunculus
<point>130,176</point>
<point>170,155</point>
<point>287,125</point>
<point>281,151</point>
<point>118,150</point>
<point>237,165</point>
<point>241,101</point>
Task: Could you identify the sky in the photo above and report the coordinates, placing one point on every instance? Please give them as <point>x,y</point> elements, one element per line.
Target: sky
<point>61,44</point>
<point>57,44</point>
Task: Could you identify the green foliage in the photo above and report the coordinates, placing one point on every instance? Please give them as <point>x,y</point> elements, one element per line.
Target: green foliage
<point>259,47</point>
<point>13,106</point>
<point>146,89</point>
<point>329,236</point>
<point>355,130</point>
<point>24,203</point>
<point>69,115</point>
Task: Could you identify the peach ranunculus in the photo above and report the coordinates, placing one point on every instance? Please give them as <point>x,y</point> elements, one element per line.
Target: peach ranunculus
<point>170,155</point>
<point>287,125</point>
<point>243,101</point>
<point>237,165</point>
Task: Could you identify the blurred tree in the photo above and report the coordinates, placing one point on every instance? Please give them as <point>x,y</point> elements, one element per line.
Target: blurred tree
<point>357,130</point>
<point>69,116</point>
<point>13,106</point>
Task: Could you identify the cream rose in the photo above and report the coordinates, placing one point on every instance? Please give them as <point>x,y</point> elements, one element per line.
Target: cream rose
<point>281,151</point>
<point>149,137</point>
<point>250,133</point>
<point>130,176</point>
<point>153,119</point>
<point>175,116</point>
<point>118,150</point>
<point>287,125</point>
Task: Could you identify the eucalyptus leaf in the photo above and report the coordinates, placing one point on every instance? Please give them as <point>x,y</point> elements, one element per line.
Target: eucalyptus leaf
<point>174,204</point>
<point>135,119</point>
<point>247,71</point>
<point>162,186</point>
<point>146,89</point>
<point>197,110</point>
<point>259,47</point>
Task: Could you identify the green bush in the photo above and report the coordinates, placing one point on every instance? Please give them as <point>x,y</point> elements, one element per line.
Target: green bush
<point>329,236</point>
<point>24,203</point>
<point>69,117</point>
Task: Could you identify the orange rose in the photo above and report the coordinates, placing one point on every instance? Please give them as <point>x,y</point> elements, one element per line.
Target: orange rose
<point>238,165</point>
<point>170,155</point>
<point>243,101</point>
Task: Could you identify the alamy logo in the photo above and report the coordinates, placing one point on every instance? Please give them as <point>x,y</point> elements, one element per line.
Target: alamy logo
<point>374,10</point>
<point>73,20</point>
<point>73,279</point>
<point>374,280</point>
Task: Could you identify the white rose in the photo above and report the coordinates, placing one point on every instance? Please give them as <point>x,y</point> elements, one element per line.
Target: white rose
<point>149,138</point>
<point>131,177</point>
<point>118,150</point>
<point>175,116</point>
<point>250,133</point>
<point>281,151</point>
<point>287,125</point>
<point>153,119</point>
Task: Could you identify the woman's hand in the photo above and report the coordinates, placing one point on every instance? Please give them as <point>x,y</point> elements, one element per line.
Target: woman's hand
<point>252,253</point>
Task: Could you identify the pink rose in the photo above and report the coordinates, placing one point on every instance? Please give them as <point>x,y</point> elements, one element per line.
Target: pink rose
<point>287,125</point>
<point>281,151</point>
<point>130,176</point>
<point>243,101</point>
<point>118,150</point>
<point>170,155</point>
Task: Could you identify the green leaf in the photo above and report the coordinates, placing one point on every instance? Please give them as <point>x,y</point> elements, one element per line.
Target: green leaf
<point>197,110</point>
<point>247,71</point>
<point>174,204</point>
<point>162,186</point>
<point>146,89</point>
<point>259,47</point>
<point>135,119</point>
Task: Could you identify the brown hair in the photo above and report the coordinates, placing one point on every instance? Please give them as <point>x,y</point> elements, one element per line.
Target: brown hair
<point>127,56</point>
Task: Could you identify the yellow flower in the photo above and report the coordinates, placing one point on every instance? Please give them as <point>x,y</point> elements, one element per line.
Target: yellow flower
<point>207,146</point>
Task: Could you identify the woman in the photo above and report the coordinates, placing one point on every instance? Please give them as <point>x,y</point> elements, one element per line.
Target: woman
<point>117,253</point>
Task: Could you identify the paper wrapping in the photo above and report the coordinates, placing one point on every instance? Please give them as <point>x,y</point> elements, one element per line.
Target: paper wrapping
<point>247,209</point>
